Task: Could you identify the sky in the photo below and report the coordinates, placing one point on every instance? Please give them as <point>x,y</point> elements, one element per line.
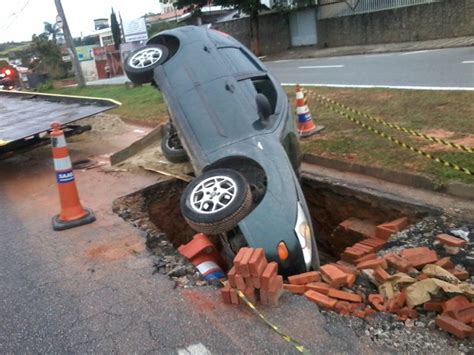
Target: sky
<point>20,19</point>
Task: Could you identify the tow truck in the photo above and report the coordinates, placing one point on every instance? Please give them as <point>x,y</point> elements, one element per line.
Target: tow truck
<point>25,117</point>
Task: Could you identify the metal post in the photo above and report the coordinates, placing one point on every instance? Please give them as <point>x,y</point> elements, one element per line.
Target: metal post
<point>76,66</point>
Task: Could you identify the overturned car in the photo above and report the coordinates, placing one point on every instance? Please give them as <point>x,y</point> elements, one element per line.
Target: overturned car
<point>231,119</point>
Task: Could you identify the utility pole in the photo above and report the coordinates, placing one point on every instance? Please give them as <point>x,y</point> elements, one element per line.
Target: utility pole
<point>76,66</point>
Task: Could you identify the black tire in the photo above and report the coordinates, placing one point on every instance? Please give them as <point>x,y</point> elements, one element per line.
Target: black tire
<point>172,148</point>
<point>229,214</point>
<point>142,75</point>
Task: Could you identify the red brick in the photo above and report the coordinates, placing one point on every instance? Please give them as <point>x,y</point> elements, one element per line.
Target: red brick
<point>407,312</point>
<point>234,297</point>
<point>304,278</point>
<point>250,294</point>
<point>270,271</point>
<point>381,275</point>
<point>343,295</point>
<point>450,241</point>
<point>320,287</point>
<point>320,299</point>
<point>257,262</point>
<point>276,283</point>
<point>359,313</point>
<point>455,303</point>
<point>346,267</point>
<point>297,289</point>
<point>275,290</point>
<point>445,263</point>
<point>242,265</point>
<point>397,262</point>
<point>343,307</point>
<point>249,281</point>
<point>374,242</point>
<point>372,264</point>
<point>231,277</point>
<point>366,257</point>
<point>351,254</point>
<point>358,226</point>
<point>377,301</point>
<point>240,254</point>
<point>351,279</point>
<point>422,277</point>
<point>240,282</point>
<point>460,273</point>
<point>369,311</point>
<point>225,292</point>
<point>333,275</point>
<point>363,247</point>
<point>463,314</point>
<point>433,306</point>
<point>256,282</point>
<point>396,303</point>
<point>419,257</point>
<point>385,230</point>
<point>454,327</point>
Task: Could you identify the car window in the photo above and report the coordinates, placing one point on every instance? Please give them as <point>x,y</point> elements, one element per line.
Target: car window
<point>239,61</point>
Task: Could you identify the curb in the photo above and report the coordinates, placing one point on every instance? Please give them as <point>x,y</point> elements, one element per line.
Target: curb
<point>456,189</point>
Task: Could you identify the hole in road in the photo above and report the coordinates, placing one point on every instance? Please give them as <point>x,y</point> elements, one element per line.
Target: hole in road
<point>156,210</point>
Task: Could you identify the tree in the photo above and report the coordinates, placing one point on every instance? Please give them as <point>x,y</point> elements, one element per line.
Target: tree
<point>49,59</point>
<point>250,7</point>
<point>51,30</point>
<point>116,32</point>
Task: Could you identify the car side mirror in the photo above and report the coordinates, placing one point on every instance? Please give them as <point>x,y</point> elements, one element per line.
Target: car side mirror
<point>264,108</point>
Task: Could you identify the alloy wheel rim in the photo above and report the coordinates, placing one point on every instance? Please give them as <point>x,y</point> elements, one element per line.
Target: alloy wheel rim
<point>145,58</point>
<point>213,194</point>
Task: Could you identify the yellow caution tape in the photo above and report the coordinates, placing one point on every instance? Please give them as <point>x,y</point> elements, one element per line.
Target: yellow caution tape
<point>400,128</point>
<point>277,330</point>
<point>2,142</point>
<point>115,102</point>
<point>394,140</point>
<point>286,337</point>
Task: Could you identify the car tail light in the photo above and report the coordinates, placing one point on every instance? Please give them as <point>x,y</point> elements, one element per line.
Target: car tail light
<point>282,251</point>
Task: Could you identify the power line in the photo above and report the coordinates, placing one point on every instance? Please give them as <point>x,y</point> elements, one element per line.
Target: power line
<point>16,15</point>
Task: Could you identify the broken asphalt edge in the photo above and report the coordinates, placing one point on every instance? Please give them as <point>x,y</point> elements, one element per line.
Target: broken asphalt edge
<point>456,189</point>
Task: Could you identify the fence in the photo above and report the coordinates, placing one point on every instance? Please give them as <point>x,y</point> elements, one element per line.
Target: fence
<point>339,8</point>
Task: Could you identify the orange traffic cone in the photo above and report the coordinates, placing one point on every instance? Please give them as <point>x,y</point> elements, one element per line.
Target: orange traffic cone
<point>72,213</point>
<point>306,126</point>
<point>204,256</point>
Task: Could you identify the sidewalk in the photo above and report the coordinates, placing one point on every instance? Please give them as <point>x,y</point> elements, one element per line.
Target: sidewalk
<point>314,52</point>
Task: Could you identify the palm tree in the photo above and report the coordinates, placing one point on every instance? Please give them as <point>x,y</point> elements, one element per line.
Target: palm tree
<point>51,30</point>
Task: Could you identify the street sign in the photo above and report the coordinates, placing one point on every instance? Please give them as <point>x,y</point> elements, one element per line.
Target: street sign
<point>135,30</point>
<point>59,21</point>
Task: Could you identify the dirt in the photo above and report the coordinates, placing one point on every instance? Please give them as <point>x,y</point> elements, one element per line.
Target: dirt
<point>106,123</point>
<point>115,250</point>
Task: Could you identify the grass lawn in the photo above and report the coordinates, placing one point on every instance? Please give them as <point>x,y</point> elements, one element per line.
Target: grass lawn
<point>443,114</point>
<point>141,104</point>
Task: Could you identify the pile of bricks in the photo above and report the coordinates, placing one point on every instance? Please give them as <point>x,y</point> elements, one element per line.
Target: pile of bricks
<point>334,286</point>
<point>257,278</point>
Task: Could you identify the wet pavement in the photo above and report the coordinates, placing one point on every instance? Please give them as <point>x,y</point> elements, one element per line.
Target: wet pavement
<point>92,289</point>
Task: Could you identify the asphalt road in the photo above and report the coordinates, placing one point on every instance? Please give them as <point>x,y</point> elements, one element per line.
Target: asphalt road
<point>429,69</point>
<point>451,68</point>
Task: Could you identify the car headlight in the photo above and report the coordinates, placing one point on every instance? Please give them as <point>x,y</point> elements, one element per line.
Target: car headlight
<point>303,232</point>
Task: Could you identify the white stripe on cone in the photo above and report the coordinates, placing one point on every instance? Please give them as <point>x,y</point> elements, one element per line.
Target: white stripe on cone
<point>60,141</point>
<point>62,164</point>
<point>299,95</point>
<point>302,110</point>
<point>207,267</point>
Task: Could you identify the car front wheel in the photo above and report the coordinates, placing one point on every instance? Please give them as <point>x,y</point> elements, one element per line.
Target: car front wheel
<point>140,64</point>
<point>216,201</point>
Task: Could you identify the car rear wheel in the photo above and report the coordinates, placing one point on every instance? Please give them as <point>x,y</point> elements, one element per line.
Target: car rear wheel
<point>172,148</point>
<point>140,64</point>
<point>216,201</point>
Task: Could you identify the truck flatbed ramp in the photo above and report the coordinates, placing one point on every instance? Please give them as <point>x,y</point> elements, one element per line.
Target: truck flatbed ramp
<point>25,117</point>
